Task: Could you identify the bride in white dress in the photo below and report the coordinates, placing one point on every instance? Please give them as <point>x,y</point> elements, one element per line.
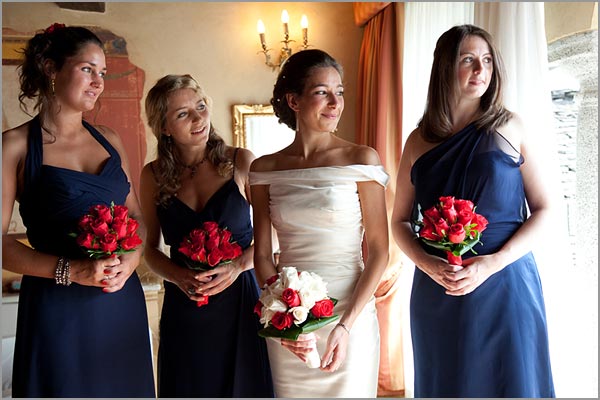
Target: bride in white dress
<point>322,195</point>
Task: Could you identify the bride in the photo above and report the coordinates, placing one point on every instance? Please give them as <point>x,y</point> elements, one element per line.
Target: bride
<point>322,194</point>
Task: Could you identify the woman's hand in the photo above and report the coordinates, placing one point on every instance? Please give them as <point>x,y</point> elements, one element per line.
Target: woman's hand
<point>99,273</point>
<point>218,279</point>
<point>335,353</point>
<point>302,346</point>
<point>440,271</point>
<point>188,281</point>
<point>470,276</point>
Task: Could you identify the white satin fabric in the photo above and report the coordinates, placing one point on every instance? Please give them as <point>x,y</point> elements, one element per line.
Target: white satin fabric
<point>316,213</point>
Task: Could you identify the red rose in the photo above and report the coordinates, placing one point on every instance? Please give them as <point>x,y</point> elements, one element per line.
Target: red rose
<point>461,205</point>
<point>428,233</point>
<point>85,223</point>
<point>456,233</point>
<point>202,302</point>
<point>225,236</point>
<point>210,226</point>
<point>282,320</point>
<point>86,240</point>
<point>258,308</point>
<point>120,212</point>
<point>272,279</point>
<point>102,212</point>
<point>452,259</point>
<point>447,201</point>
<point>213,241</point>
<point>449,214</point>
<point>132,226</point>
<point>432,214</point>
<point>481,222</point>
<point>119,227</point>
<point>199,255</point>
<point>99,227</point>
<point>108,243</point>
<point>441,227</point>
<point>230,250</point>
<point>291,297</point>
<point>322,308</point>
<point>465,216</point>
<point>130,243</point>
<point>214,257</point>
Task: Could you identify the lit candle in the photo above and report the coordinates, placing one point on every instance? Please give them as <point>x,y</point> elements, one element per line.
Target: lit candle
<point>285,18</point>
<point>260,27</point>
<point>304,25</point>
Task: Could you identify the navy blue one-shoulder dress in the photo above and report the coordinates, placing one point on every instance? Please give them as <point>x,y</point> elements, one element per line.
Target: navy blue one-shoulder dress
<point>213,350</point>
<point>76,341</point>
<point>492,342</point>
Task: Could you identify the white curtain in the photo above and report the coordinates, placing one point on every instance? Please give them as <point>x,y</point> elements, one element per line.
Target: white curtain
<point>424,24</point>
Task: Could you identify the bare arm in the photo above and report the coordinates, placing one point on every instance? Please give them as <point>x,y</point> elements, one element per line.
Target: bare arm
<point>374,216</point>
<point>264,266</point>
<point>433,266</point>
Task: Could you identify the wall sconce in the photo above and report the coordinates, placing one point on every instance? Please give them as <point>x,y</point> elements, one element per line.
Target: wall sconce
<point>285,51</point>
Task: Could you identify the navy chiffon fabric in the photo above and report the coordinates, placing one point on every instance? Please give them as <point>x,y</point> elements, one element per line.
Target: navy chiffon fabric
<point>213,350</point>
<point>76,341</point>
<point>492,342</point>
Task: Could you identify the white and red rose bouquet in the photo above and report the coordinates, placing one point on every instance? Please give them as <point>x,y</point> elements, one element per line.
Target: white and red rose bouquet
<point>452,225</point>
<point>107,231</point>
<point>293,303</point>
<point>208,247</point>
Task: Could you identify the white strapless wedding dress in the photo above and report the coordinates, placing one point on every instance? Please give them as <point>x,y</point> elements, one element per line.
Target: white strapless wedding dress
<point>316,213</point>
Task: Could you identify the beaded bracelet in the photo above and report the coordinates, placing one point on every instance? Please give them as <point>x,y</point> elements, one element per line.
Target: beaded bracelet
<point>344,326</point>
<point>62,274</point>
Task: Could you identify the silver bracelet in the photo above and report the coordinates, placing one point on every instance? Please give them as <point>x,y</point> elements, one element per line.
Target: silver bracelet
<point>62,274</point>
<point>343,326</point>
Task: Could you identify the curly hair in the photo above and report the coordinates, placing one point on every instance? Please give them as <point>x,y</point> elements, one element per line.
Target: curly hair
<point>57,43</point>
<point>169,166</point>
<point>292,79</point>
<point>436,123</point>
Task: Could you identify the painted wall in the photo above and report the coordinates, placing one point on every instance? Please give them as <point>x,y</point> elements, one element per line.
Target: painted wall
<point>564,18</point>
<point>217,43</point>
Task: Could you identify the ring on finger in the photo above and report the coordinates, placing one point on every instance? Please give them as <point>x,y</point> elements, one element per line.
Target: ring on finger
<point>191,291</point>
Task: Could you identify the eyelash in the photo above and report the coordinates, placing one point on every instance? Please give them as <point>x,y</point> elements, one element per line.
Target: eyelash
<point>89,69</point>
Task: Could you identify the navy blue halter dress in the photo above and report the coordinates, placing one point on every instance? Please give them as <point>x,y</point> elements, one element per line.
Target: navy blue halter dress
<point>213,350</point>
<point>492,342</point>
<point>76,341</point>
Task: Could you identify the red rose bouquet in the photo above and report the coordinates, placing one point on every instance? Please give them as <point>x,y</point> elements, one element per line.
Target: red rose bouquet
<point>452,225</point>
<point>293,303</point>
<point>208,247</point>
<point>107,231</point>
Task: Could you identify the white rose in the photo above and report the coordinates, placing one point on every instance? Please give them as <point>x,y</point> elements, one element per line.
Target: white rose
<point>266,316</point>
<point>289,278</point>
<point>274,303</point>
<point>300,314</point>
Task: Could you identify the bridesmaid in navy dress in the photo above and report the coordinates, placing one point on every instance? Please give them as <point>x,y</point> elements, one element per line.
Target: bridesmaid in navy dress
<point>82,332</point>
<point>213,350</point>
<point>478,330</point>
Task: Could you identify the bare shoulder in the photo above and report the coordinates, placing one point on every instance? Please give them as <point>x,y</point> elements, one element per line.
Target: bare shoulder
<point>361,154</point>
<point>514,131</point>
<point>243,157</point>
<point>108,133</point>
<point>264,163</point>
<point>416,146</point>
<point>14,141</point>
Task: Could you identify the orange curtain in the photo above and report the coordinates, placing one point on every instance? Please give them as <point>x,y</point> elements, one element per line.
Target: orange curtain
<point>379,125</point>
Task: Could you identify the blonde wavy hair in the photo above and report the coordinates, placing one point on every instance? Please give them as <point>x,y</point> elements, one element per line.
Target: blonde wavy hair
<point>168,168</point>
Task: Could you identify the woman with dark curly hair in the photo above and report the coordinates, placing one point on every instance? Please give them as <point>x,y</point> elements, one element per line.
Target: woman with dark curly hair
<point>213,350</point>
<point>82,328</point>
<point>323,195</point>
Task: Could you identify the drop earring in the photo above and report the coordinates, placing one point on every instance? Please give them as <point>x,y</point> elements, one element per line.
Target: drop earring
<point>52,86</point>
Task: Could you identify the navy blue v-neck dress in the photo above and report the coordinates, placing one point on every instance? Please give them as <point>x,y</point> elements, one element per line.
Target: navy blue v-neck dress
<point>76,341</point>
<point>492,342</point>
<point>213,350</point>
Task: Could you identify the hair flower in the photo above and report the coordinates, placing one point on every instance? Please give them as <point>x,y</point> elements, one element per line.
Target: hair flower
<point>53,27</point>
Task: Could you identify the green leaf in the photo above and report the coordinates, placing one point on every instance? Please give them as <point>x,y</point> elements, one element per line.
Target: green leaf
<point>294,331</point>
